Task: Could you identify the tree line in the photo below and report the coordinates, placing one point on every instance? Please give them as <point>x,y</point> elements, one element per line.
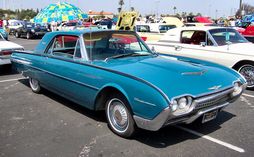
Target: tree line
<point>19,14</point>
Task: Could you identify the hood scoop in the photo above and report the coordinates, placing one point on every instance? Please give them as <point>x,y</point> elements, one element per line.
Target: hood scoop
<point>199,73</point>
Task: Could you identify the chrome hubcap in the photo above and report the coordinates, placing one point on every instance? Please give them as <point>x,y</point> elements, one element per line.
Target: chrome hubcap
<point>248,72</point>
<point>118,116</point>
<point>34,83</point>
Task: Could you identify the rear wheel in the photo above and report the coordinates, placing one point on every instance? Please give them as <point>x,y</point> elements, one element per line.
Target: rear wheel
<point>17,35</point>
<point>35,85</point>
<point>119,116</point>
<point>247,70</point>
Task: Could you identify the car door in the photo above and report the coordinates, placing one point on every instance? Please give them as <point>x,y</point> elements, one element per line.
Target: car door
<point>198,44</point>
<point>23,29</point>
<point>65,73</point>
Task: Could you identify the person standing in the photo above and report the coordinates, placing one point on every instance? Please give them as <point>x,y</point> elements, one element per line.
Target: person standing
<point>1,23</point>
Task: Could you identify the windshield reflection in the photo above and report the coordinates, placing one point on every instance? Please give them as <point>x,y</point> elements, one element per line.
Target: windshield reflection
<point>225,36</point>
<point>104,45</point>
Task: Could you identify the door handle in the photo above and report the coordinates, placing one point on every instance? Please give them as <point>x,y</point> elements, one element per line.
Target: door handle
<point>178,48</point>
<point>45,60</point>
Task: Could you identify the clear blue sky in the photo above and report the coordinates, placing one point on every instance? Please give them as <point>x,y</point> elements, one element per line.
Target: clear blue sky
<point>205,7</point>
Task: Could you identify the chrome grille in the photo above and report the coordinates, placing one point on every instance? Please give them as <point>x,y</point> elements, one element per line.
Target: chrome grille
<point>213,100</point>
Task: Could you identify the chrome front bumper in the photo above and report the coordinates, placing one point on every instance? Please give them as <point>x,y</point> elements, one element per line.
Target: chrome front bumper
<point>202,105</point>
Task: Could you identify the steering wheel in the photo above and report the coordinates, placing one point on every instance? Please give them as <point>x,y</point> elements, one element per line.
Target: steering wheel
<point>120,48</point>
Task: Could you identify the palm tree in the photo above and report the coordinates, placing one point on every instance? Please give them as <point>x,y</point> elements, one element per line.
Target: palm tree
<point>174,10</point>
<point>121,3</point>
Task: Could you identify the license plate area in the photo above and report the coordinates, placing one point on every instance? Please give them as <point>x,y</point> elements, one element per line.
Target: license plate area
<point>209,116</point>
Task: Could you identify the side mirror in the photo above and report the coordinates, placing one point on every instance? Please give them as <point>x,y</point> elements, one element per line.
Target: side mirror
<point>228,42</point>
<point>203,44</point>
<point>153,49</point>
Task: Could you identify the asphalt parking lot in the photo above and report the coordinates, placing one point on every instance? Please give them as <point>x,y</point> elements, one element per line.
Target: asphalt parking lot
<point>48,125</point>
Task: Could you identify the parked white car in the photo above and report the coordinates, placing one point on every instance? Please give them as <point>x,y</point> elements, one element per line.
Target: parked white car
<point>14,25</point>
<point>152,31</point>
<point>216,44</point>
<point>6,49</point>
<point>67,26</point>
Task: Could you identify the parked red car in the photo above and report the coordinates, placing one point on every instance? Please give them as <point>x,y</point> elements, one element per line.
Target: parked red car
<point>247,30</point>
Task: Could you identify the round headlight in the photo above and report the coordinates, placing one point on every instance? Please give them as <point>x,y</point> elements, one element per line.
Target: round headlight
<point>32,30</point>
<point>174,106</point>
<point>182,102</point>
<point>237,89</point>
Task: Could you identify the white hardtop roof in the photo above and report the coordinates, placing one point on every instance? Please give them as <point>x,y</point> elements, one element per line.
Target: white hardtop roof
<point>174,34</point>
<point>204,28</point>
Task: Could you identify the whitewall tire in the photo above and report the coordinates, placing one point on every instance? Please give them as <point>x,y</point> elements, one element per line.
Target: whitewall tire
<point>35,85</point>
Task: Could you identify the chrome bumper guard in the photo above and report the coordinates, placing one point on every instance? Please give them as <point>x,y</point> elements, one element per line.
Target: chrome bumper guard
<point>202,105</point>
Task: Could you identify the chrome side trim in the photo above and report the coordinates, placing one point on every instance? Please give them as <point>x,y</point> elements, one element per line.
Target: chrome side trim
<point>201,112</point>
<point>144,102</point>
<point>154,124</point>
<point>20,61</point>
<point>188,48</point>
<point>53,74</point>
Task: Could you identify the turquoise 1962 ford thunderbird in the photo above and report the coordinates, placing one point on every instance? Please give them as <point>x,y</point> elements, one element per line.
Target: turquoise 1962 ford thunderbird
<point>115,71</point>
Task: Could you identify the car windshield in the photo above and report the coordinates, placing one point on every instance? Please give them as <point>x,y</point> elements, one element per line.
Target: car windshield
<point>143,28</point>
<point>71,24</point>
<point>29,25</point>
<point>225,36</point>
<point>105,45</point>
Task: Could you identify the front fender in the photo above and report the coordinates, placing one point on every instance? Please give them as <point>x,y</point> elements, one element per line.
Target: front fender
<point>118,87</point>
<point>145,101</point>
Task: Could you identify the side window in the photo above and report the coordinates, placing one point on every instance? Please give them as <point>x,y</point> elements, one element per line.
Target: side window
<point>193,37</point>
<point>77,50</point>
<point>64,46</point>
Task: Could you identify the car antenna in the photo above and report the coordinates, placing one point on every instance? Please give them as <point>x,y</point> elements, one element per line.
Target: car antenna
<point>90,44</point>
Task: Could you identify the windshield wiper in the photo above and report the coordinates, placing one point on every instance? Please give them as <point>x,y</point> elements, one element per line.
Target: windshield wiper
<point>125,55</point>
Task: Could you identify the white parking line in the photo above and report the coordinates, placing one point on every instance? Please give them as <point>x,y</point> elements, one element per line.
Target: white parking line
<point>225,144</point>
<point>17,79</point>
<point>252,96</point>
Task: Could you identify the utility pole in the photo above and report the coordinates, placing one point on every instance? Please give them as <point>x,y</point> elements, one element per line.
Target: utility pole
<point>157,9</point>
<point>130,4</point>
<point>240,5</point>
<point>4,4</point>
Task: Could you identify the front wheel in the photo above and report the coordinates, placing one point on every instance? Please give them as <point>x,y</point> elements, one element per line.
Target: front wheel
<point>35,85</point>
<point>247,71</point>
<point>28,35</point>
<point>119,117</point>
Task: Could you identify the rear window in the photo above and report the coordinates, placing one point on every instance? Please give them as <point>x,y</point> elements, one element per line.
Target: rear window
<point>165,28</point>
<point>143,28</point>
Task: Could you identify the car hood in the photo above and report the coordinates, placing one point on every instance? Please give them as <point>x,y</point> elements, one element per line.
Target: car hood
<point>173,76</point>
<point>6,45</point>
